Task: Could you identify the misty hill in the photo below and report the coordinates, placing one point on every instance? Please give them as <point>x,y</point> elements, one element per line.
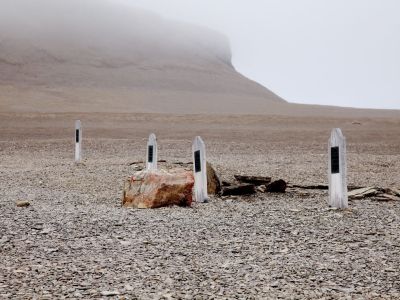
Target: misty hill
<point>101,56</point>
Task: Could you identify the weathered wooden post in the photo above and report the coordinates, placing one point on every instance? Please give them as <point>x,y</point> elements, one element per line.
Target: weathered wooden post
<point>151,155</point>
<point>78,141</point>
<point>200,170</point>
<point>337,170</point>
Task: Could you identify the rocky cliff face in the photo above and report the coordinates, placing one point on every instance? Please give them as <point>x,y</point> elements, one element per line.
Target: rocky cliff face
<point>97,56</point>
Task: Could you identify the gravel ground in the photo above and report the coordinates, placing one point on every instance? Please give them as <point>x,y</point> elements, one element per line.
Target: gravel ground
<point>75,241</point>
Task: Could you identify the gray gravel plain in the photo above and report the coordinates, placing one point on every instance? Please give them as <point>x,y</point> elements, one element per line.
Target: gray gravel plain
<point>76,242</point>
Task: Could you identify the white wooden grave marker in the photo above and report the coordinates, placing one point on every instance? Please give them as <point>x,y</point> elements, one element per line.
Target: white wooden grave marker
<point>151,154</point>
<point>78,141</point>
<point>337,170</point>
<point>200,170</point>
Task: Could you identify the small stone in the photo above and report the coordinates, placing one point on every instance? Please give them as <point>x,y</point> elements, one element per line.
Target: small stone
<point>274,284</point>
<point>109,293</point>
<point>390,270</point>
<point>37,226</point>
<point>51,250</point>
<point>138,168</point>
<point>125,243</point>
<point>128,287</point>
<point>23,203</point>
<point>78,295</point>
<point>45,231</point>
<point>167,297</point>
<point>5,239</point>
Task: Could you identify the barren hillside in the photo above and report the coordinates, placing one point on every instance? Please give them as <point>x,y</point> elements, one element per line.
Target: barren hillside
<point>102,56</point>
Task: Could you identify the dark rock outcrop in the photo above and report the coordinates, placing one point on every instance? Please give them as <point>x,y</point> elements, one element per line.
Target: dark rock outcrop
<point>278,186</point>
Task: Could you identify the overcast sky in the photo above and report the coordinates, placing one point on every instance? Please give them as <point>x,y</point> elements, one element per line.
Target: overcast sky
<point>339,52</point>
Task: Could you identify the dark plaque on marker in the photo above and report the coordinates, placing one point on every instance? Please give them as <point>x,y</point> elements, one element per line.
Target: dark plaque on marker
<point>151,154</point>
<point>77,135</point>
<point>335,169</point>
<point>197,162</point>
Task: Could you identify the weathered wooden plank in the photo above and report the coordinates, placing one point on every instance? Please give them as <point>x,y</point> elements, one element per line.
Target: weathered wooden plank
<point>363,193</point>
<point>78,141</point>
<point>321,186</point>
<point>200,170</point>
<point>256,180</point>
<point>337,170</point>
<point>238,190</point>
<point>152,153</point>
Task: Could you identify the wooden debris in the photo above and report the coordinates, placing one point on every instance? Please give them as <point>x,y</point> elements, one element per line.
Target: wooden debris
<point>200,170</point>
<point>337,170</point>
<point>152,153</point>
<point>261,188</point>
<point>237,190</point>
<point>363,193</point>
<point>357,192</point>
<point>321,187</point>
<point>397,192</point>
<point>311,187</point>
<point>375,193</point>
<point>386,197</point>
<point>182,164</point>
<point>136,163</point>
<point>78,141</point>
<point>256,180</point>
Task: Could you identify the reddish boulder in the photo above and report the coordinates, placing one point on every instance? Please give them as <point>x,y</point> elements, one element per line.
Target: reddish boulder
<point>157,188</point>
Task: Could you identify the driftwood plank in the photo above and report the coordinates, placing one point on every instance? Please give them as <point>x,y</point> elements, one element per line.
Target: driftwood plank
<point>152,153</point>
<point>310,187</point>
<point>256,180</point>
<point>320,187</point>
<point>337,170</point>
<point>363,193</point>
<point>237,190</point>
<point>200,170</point>
<point>78,141</point>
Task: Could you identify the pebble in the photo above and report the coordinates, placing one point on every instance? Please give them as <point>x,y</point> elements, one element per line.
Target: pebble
<point>260,247</point>
<point>23,203</point>
<point>109,293</point>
